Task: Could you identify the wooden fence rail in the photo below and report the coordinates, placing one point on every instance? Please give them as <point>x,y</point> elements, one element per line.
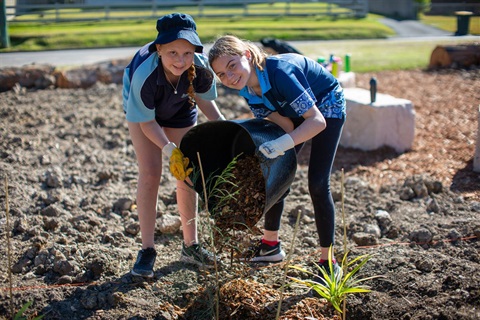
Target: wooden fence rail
<point>105,10</point>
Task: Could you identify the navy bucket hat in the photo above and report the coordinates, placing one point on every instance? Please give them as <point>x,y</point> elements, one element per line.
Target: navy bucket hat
<point>178,26</point>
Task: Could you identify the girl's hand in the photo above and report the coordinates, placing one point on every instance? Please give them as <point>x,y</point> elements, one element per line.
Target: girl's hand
<point>179,165</point>
<point>275,148</point>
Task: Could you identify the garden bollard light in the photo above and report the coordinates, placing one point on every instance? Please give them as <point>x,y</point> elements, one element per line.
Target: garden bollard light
<point>373,89</point>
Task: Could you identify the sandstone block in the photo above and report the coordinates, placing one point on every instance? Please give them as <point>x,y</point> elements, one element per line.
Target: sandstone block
<point>388,121</point>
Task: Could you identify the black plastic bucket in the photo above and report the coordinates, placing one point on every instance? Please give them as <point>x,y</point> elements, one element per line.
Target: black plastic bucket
<point>219,142</point>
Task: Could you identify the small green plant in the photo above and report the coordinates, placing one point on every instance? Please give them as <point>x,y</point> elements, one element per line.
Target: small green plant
<point>223,189</point>
<point>220,190</point>
<point>19,315</point>
<point>217,187</point>
<point>335,287</point>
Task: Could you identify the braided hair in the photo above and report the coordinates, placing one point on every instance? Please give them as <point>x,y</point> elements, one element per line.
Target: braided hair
<point>191,90</point>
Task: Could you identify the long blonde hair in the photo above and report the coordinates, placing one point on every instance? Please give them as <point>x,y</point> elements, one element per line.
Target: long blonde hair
<point>230,45</point>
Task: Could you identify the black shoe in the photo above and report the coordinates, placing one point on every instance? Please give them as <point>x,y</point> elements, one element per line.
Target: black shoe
<point>262,252</point>
<point>143,267</point>
<point>320,277</point>
<point>198,255</point>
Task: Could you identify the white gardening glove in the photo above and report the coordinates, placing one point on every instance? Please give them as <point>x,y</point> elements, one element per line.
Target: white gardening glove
<point>168,149</point>
<point>277,147</point>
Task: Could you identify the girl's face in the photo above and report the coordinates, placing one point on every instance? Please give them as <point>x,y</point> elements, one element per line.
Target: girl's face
<point>177,56</point>
<point>234,71</point>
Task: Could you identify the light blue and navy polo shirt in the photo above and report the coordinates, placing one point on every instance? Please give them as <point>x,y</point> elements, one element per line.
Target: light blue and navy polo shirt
<point>147,95</point>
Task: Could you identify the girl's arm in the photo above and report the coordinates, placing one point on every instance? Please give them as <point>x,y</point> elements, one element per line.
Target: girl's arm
<point>314,124</point>
<point>155,133</point>
<point>209,108</point>
<point>285,123</point>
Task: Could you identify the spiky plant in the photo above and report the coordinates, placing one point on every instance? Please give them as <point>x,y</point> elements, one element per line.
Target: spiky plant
<point>335,287</point>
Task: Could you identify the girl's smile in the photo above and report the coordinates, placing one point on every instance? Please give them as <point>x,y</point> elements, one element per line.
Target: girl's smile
<point>177,56</point>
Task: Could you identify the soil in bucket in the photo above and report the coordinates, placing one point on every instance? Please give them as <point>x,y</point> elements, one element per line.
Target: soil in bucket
<point>240,184</point>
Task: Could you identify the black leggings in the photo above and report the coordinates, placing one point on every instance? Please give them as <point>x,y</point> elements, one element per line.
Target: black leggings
<point>322,155</point>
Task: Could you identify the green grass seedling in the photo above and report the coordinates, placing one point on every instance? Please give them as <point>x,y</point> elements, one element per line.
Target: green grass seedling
<point>217,187</point>
<point>20,314</point>
<point>335,288</point>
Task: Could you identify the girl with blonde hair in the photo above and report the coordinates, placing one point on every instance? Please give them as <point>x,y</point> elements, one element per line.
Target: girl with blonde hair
<point>307,102</point>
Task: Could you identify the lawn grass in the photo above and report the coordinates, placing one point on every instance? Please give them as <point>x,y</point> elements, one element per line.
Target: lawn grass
<point>379,54</point>
<point>29,36</point>
<point>449,23</point>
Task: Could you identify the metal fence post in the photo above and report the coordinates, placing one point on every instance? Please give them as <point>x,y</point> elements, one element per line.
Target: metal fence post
<point>57,12</point>
<point>154,8</point>
<point>200,9</point>
<point>3,26</point>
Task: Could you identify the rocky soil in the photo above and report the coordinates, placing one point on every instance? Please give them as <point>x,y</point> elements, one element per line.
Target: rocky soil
<point>70,231</point>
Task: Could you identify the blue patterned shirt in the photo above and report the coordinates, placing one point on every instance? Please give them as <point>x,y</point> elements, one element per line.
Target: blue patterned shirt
<point>291,84</point>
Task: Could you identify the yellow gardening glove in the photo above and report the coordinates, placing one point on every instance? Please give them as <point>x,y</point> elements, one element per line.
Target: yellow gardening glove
<point>179,164</point>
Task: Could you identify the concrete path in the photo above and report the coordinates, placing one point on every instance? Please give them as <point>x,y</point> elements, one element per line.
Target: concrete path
<point>62,58</point>
<point>413,28</point>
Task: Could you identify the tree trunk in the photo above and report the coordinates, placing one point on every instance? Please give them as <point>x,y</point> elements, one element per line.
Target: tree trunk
<point>455,56</point>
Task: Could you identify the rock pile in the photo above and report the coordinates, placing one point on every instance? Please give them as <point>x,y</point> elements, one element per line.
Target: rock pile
<point>46,76</point>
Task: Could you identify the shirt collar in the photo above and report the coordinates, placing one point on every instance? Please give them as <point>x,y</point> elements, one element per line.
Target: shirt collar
<point>263,81</point>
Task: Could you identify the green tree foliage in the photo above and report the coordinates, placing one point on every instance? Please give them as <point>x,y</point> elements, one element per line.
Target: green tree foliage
<point>423,5</point>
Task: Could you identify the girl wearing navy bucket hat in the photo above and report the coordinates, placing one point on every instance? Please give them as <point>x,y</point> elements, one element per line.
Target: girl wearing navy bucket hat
<point>162,86</point>
<point>304,99</point>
